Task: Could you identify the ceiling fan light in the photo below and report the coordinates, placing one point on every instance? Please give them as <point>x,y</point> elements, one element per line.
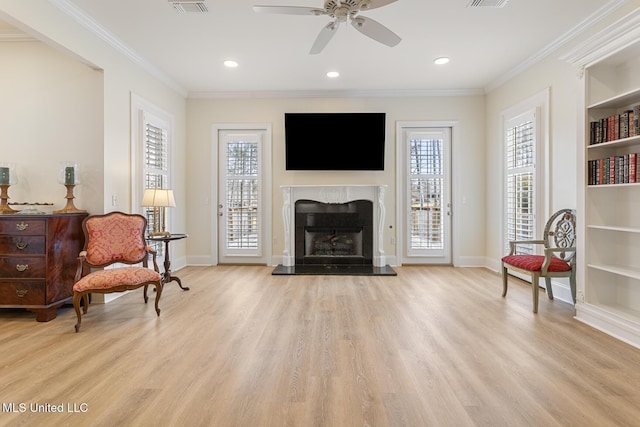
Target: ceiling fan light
<point>441,60</point>
<point>333,74</point>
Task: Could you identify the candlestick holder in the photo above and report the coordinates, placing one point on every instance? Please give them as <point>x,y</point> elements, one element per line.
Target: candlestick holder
<point>7,178</point>
<point>69,176</point>
<point>4,197</point>
<point>69,207</point>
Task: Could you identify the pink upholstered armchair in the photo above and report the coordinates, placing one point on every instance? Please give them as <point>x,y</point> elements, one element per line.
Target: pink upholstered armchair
<point>559,259</point>
<point>112,238</point>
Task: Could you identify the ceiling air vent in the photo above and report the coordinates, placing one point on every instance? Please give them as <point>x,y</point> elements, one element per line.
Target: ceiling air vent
<point>488,3</point>
<point>183,6</point>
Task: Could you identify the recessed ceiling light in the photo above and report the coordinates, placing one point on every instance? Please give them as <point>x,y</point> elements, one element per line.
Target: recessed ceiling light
<point>230,63</point>
<point>441,60</point>
<point>333,74</point>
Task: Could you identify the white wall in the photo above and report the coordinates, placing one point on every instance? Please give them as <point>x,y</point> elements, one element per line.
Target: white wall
<point>55,115</point>
<point>108,107</point>
<point>469,164</point>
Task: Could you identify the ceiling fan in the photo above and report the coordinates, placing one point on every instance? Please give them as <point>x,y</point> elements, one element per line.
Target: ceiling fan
<point>341,11</point>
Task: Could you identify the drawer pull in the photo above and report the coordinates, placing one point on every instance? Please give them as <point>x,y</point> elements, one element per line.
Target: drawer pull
<point>22,267</point>
<point>22,226</point>
<point>21,292</point>
<point>22,245</point>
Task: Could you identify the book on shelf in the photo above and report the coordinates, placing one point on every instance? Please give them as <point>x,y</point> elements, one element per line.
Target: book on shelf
<point>614,170</point>
<point>615,126</point>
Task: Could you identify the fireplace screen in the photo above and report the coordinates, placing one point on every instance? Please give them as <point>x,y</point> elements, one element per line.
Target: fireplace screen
<point>328,242</point>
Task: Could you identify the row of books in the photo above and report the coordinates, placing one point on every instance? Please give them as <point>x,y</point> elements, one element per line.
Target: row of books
<point>617,126</point>
<point>615,170</point>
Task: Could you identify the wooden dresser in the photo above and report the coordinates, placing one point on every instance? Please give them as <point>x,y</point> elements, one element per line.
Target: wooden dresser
<point>38,259</point>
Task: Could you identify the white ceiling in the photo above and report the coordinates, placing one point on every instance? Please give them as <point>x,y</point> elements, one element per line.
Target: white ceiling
<point>485,44</point>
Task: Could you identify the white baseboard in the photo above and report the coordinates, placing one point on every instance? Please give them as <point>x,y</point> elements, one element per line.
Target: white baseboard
<point>608,322</point>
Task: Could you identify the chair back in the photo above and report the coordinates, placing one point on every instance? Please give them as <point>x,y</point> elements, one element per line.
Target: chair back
<point>115,237</point>
<point>560,232</point>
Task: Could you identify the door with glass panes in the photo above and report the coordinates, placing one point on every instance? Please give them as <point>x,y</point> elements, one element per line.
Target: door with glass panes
<point>427,196</point>
<point>240,197</point>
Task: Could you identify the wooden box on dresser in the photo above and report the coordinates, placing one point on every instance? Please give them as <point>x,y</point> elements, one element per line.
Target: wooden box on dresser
<point>608,276</point>
<point>38,259</point>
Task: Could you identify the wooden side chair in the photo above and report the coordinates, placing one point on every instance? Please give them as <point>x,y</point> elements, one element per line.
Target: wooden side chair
<point>112,238</point>
<point>559,259</point>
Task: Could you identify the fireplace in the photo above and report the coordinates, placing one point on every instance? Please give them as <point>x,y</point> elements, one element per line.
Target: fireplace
<point>333,233</point>
<point>333,229</point>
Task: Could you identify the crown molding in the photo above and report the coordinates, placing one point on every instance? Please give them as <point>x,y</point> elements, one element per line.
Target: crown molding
<point>337,94</point>
<point>612,39</point>
<point>583,26</point>
<point>92,25</point>
<point>15,35</point>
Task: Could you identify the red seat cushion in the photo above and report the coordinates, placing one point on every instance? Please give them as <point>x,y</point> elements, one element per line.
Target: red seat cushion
<point>534,263</point>
<point>106,279</point>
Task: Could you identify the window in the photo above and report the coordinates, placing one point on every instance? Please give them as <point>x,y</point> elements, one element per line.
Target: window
<point>426,184</point>
<point>242,194</point>
<point>155,161</point>
<point>520,181</point>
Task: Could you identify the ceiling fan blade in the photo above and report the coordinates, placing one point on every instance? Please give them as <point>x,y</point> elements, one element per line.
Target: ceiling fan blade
<point>378,3</point>
<point>326,34</point>
<point>375,30</point>
<point>289,10</point>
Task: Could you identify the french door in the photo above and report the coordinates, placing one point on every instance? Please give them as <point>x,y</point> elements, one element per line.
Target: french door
<point>241,233</point>
<point>426,198</point>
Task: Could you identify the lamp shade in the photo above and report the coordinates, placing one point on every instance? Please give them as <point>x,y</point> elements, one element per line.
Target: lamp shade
<point>158,197</point>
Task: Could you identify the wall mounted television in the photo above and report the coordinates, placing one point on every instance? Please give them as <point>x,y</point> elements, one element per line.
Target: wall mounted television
<point>335,141</point>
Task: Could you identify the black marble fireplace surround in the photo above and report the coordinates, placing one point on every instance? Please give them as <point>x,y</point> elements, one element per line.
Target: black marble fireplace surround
<point>334,233</point>
<point>334,239</point>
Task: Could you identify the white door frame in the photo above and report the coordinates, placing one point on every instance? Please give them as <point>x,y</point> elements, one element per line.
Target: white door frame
<point>266,189</point>
<point>401,171</point>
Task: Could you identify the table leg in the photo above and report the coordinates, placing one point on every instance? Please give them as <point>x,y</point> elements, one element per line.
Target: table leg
<point>167,277</point>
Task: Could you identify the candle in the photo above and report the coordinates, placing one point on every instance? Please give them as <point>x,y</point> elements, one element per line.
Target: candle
<point>4,176</point>
<point>69,175</point>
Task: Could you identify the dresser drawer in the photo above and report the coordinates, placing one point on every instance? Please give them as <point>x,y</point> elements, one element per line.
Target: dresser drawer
<point>22,292</point>
<point>17,245</point>
<point>33,267</point>
<point>22,226</point>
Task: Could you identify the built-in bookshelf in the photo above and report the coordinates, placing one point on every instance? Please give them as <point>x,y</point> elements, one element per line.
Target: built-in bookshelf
<point>609,297</point>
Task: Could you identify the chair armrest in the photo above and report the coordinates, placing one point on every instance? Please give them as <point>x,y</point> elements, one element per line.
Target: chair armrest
<point>513,243</point>
<point>80,267</point>
<point>153,253</point>
<point>548,254</point>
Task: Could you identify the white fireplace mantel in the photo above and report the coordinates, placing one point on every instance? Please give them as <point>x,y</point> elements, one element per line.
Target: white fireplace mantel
<point>333,194</point>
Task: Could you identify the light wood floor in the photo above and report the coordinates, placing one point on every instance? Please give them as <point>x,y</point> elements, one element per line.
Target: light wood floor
<point>434,346</point>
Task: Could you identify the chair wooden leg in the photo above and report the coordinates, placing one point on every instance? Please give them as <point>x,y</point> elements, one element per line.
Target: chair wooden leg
<point>547,281</point>
<point>504,281</point>
<point>158,293</point>
<point>535,289</point>
<point>146,298</point>
<point>76,305</point>
<point>572,283</point>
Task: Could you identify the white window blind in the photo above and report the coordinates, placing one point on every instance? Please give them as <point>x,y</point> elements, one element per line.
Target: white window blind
<point>426,188</point>
<point>155,163</point>
<point>243,195</point>
<point>520,147</point>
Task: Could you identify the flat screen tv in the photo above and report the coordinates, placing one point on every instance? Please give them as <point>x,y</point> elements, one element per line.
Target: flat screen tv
<point>334,141</point>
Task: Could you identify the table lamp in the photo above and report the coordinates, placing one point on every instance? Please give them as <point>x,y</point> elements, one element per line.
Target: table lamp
<point>159,199</point>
